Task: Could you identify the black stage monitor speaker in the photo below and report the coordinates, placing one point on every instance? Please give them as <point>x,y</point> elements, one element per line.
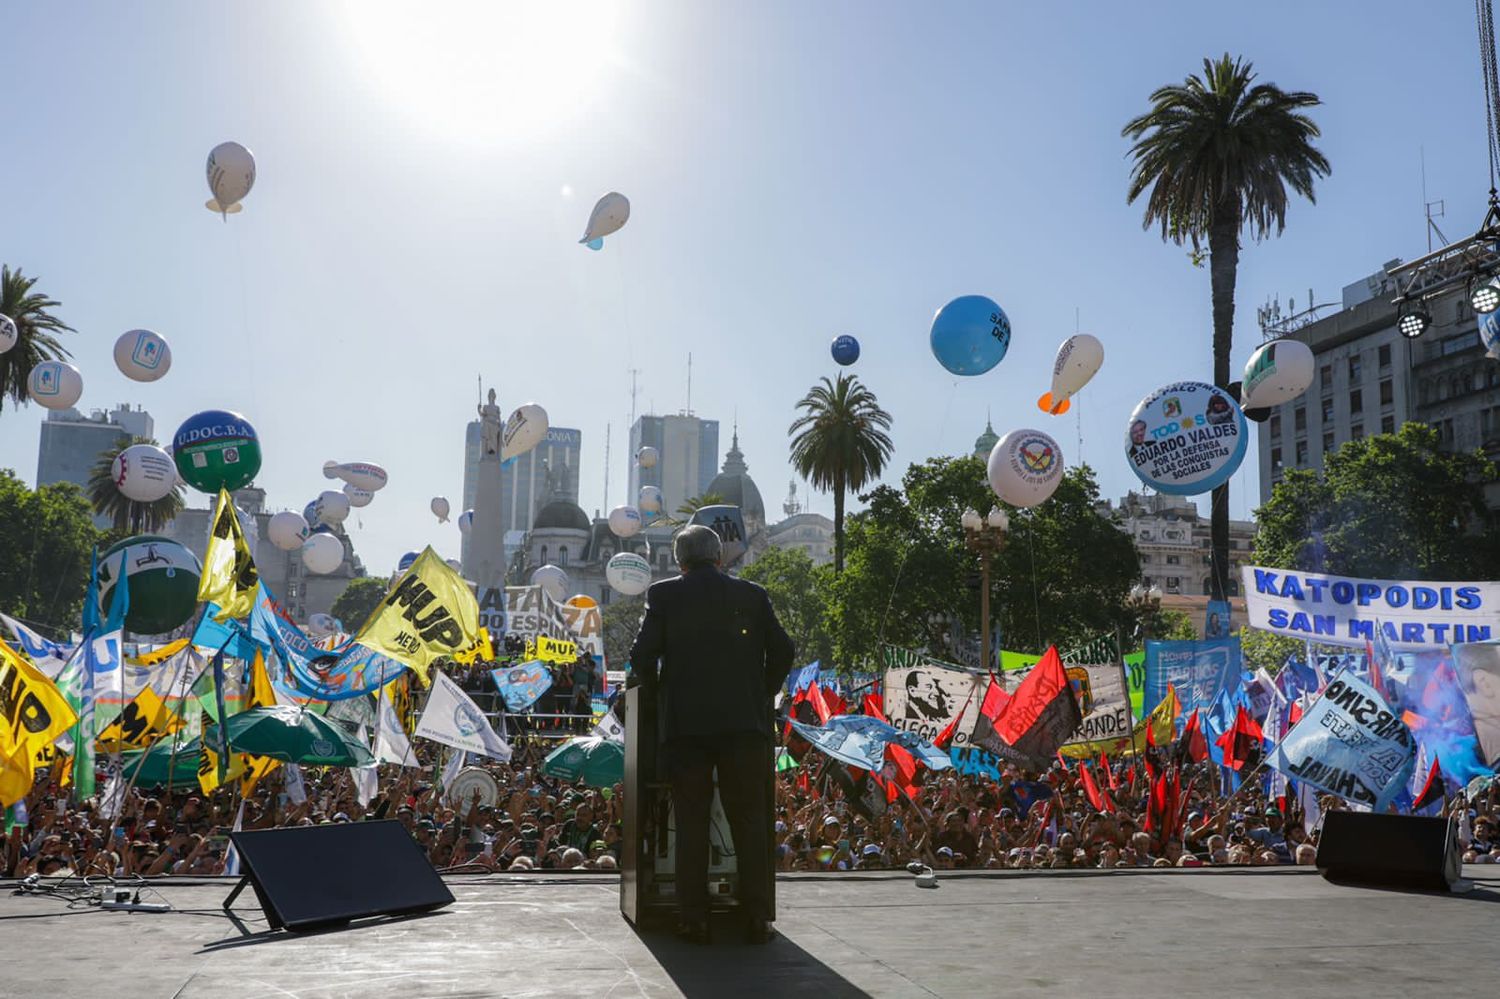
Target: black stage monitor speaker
<point>312,877</point>
<point>1389,851</point>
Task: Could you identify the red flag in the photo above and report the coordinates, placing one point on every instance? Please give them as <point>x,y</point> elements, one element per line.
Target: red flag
<point>1097,799</point>
<point>1243,736</point>
<point>820,705</point>
<point>944,738</point>
<point>1150,734</point>
<point>1109,772</point>
<point>1377,678</point>
<point>1062,762</point>
<point>905,767</point>
<point>1038,718</point>
<point>873,707</point>
<point>1156,804</point>
<point>836,704</point>
<point>1432,790</point>
<point>1193,738</point>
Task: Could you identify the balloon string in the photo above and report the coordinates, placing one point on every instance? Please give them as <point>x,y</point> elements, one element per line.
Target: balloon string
<point>1036,598</point>
<point>906,552</point>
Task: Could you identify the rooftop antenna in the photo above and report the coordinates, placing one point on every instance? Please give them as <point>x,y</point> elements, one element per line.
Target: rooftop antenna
<point>690,384</point>
<point>633,392</point>
<point>606,465</point>
<point>1429,206</point>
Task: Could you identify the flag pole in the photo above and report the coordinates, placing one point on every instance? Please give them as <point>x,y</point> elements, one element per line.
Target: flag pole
<point>1135,742</point>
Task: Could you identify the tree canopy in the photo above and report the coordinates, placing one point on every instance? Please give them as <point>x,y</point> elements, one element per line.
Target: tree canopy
<point>46,538</point>
<point>1388,506</point>
<point>359,600</point>
<point>799,593</point>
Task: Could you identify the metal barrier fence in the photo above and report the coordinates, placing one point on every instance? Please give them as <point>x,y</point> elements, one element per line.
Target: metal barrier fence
<point>542,724</point>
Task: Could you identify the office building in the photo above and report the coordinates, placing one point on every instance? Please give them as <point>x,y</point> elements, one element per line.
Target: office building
<point>688,452</point>
<point>1369,379</point>
<point>71,442</point>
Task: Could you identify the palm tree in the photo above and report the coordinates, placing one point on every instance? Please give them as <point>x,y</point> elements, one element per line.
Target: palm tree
<point>1217,153</point>
<point>35,326</point>
<point>126,514</point>
<point>687,508</point>
<point>839,443</point>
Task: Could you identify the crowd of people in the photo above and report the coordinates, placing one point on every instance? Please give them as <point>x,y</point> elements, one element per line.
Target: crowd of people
<point>1023,820</point>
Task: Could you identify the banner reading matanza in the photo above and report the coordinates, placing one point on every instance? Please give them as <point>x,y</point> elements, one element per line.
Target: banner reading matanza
<point>1341,610</point>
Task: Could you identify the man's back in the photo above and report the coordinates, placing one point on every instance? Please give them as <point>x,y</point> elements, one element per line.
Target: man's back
<point>723,654</point>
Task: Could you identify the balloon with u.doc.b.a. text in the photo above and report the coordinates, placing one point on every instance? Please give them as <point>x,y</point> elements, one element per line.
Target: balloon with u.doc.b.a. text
<point>216,449</point>
<point>1186,438</point>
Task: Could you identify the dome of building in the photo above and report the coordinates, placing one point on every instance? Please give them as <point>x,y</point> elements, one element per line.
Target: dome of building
<point>735,485</point>
<point>986,441</point>
<point>561,514</point>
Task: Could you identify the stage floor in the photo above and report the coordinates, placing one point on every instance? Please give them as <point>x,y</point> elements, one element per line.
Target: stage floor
<point>1128,933</point>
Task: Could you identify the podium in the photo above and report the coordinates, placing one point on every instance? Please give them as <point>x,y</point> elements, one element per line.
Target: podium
<point>648,895</point>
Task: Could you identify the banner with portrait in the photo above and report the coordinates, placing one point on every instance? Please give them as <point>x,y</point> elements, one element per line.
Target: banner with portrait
<point>924,695</point>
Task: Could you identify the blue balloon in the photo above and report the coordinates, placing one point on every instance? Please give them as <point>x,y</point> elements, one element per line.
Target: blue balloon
<point>970,335</point>
<point>406,561</point>
<point>595,244</point>
<point>845,349</point>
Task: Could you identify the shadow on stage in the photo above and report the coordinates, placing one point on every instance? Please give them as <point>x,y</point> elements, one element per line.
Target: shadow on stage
<point>251,937</point>
<point>729,968</point>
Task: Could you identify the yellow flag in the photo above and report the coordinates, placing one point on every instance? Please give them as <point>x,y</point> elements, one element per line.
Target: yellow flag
<point>262,694</point>
<point>33,713</point>
<point>145,719</point>
<point>229,575</point>
<point>428,615</point>
<point>161,654</point>
<point>208,768</point>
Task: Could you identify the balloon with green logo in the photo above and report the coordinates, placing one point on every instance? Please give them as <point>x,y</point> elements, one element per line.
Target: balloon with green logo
<point>216,449</point>
<point>163,582</point>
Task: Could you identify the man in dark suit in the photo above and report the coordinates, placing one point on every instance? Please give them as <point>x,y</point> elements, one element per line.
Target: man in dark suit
<point>723,655</point>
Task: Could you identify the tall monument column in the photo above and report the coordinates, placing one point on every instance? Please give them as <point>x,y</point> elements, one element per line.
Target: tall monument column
<point>484,558</point>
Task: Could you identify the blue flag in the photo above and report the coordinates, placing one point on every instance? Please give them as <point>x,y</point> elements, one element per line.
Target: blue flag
<point>1197,671</point>
<point>802,679</point>
<point>349,670</point>
<point>229,636</point>
<point>521,686</point>
<point>860,741</point>
<point>1349,743</point>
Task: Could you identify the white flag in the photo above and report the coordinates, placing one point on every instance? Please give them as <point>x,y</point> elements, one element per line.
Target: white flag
<point>366,783</point>
<point>454,720</point>
<point>232,855</point>
<point>609,728</point>
<point>291,778</point>
<point>391,743</point>
<point>113,798</point>
<point>455,764</point>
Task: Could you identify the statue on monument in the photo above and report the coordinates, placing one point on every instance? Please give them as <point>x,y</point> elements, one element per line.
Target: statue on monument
<point>490,425</point>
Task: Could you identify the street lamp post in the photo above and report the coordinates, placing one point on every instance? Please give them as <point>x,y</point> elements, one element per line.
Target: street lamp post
<point>986,536</point>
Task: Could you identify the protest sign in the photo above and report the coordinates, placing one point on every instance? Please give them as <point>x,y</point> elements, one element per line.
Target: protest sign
<point>521,686</point>
<point>553,650</point>
<point>530,611</point>
<point>1101,699</point>
<point>1343,610</point>
<point>923,695</point>
<point>1197,670</point>
<point>1351,744</point>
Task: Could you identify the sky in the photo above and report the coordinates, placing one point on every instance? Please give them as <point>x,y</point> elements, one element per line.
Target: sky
<point>795,171</point>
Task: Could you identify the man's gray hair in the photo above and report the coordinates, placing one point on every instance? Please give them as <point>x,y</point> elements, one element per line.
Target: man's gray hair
<point>696,545</point>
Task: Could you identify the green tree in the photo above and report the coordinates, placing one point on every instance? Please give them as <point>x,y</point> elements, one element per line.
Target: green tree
<point>622,619</point>
<point>799,593</point>
<point>1061,578</point>
<point>840,443</point>
<point>1388,506</point>
<point>359,600</point>
<point>1217,153</point>
<point>687,508</point>
<point>35,327</point>
<point>46,538</point>
<point>125,514</point>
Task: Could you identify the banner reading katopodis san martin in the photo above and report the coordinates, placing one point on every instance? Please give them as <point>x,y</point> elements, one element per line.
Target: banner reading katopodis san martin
<point>1343,610</point>
<point>923,695</point>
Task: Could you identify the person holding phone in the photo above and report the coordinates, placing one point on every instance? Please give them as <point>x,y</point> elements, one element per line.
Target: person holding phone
<point>712,654</point>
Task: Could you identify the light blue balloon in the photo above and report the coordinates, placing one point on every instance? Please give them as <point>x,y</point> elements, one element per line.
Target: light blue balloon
<point>596,243</point>
<point>970,335</point>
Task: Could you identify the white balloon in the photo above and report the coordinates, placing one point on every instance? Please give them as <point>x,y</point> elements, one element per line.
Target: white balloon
<point>628,574</point>
<point>1025,467</point>
<point>646,456</point>
<point>332,508</point>
<point>609,214</point>
<point>358,496</point>
<point>1277,372</point>
<point>144,473</point>
<point>231,174</point>
<point>360,474</point>
<point>142,355</point>
<point>323,625</point>
<point>466,521</point>
<point>322,553</point>
<point>1078,359</point>
<point>650,500</point>
<point>288,530</point>
<point>625,521</point>
<point>526,428</point>
<point>55,385</point>
<point>9,334</point>
<point>440,508</point>
<point>553,580</point>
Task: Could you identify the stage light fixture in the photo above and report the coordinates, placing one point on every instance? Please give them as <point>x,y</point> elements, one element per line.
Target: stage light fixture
<point>1412,321</point>
<point>1484,296</point>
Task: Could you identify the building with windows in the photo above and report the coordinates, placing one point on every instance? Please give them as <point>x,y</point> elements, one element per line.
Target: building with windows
<point>1173,540</point>
<point>1369,379</point>
<point>687,457</point>
<point>71,442</point>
